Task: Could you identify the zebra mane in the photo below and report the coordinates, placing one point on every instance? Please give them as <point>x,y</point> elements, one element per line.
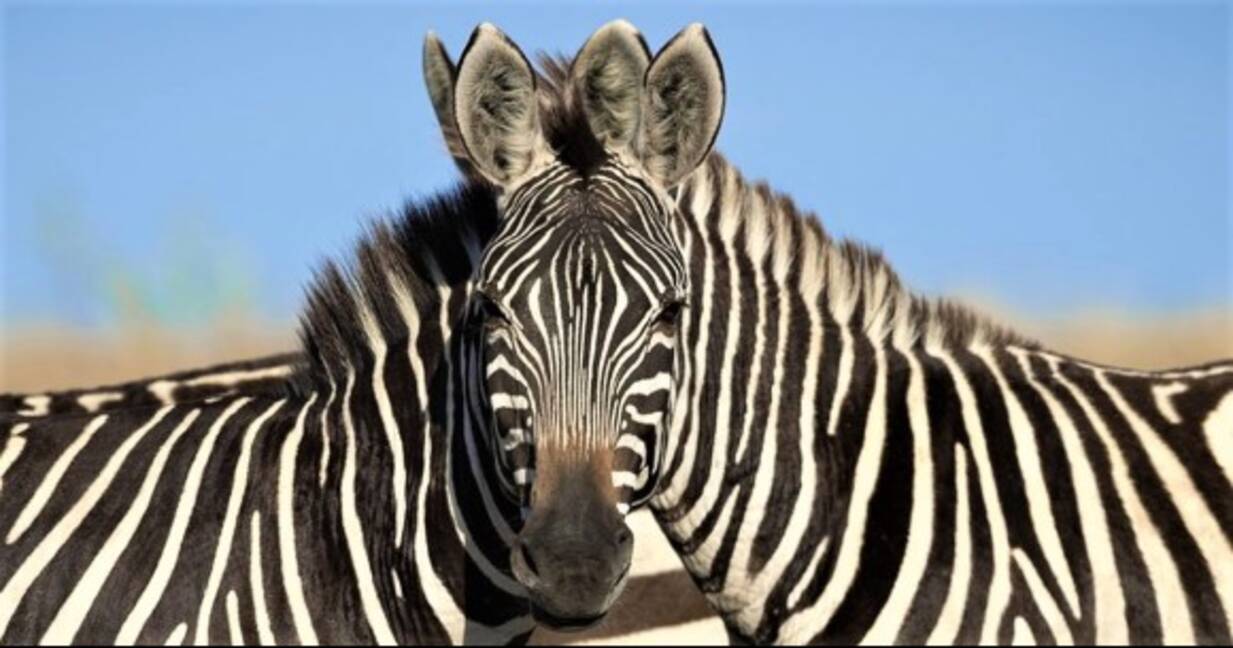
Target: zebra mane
<point>434,243</point>
<point>428,246</point>
<point>861,287</point>
<point>859,279</point>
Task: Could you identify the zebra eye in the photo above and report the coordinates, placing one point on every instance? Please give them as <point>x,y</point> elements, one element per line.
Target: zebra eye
<point>490,313</point>
<point>670,313</point>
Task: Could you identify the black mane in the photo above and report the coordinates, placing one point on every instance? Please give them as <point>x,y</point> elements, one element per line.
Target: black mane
<point>426,245</point>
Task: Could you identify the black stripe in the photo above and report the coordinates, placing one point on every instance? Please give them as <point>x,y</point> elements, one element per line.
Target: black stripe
<point>1142,615</point>
<point>886,526</point>
<point>931,593</point>
<point>1207,616</point>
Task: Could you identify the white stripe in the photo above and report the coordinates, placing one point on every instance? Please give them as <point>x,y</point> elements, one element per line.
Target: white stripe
<point>441,602</point>
<point>812,619</point>
<point>92,402</point>
<point>47,487</point>
<point>846,359</point>
<point>15,590</point>
<point>12,450</point>
<point>661,381</point>
<point>257,584</point>
<point>293,585</point>
<point>163,390</point>
<point>222,552</point>
<point>1198,518</point>
<point>623,478</point>
<point>239,376</point>
<point>946,630</point>
<point>1218,428</point>
<point>36,406</point>
<point>63,628</point>
<point>499,400</point>
<point>176,638</point>
<point>1043,599</point>
<point>397,582</point>
<point>514,438</point>
<point>765,579</point>
<point>652,419</point>
<point>1164,400</point>
<point>393,436</point>
<point>1022,633</point>
<point>798,590</point>
<point>353,531</point>
<point>999,587</point>
<point>325,434</point>
<point>632,443</point>
<point>153,592</point>
<point>233,620</point>
<point>1167,584</point>
<point>1040,504</point>
<point>1110,621</point>
<point>920,522</point>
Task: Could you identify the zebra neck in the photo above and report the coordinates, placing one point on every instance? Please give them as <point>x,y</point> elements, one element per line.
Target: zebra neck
<point>405,460</point>
<point>834,435</point>
<point>786,339</point>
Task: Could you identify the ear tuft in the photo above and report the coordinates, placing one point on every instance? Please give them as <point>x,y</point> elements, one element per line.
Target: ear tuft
<point>683,105</point>
<point>495,107</point>
<point>608,73</point>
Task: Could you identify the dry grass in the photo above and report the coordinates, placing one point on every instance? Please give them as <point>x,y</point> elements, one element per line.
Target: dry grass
<point>47,358</point>
<point>36,359</point>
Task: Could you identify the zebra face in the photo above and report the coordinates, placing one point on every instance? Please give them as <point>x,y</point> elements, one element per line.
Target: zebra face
<point>578,294</point>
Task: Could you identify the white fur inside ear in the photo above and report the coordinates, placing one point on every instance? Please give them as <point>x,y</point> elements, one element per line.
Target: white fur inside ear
<point>608,72</point>
<point>683,105</point>
<point>495,106</point>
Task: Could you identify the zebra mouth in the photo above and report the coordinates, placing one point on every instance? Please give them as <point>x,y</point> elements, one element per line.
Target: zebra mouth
<point>565,624</point>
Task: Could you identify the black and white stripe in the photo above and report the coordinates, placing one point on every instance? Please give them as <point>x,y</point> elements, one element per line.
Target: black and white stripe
<point>578,305</point>
<point>849,463</point>
<point>247,517</point>
<point>267,376</point>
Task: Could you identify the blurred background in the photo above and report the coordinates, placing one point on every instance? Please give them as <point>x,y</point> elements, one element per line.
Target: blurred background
<point>173,172</point>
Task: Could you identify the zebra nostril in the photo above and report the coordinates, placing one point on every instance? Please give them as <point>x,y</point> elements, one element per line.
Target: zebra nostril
<point>624,536</point>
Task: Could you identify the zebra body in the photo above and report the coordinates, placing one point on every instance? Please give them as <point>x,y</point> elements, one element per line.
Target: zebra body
<point>354,508</point>
<point>851,463</point>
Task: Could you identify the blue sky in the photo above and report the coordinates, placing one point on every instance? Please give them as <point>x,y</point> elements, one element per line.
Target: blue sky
<point>183,160</point>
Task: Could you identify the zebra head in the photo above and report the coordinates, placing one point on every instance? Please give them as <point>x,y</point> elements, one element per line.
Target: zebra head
<point>578,294</point>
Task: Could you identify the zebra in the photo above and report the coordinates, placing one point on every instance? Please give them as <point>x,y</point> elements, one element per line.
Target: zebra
<point>839,459</point>
<point>266,374</point>
<point>354,505</point>
<point>604,316</point>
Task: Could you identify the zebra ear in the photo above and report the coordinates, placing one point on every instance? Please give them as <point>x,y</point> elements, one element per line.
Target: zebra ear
<point>439,76</point>
<point>682,106</point>
<point>608,73</point>
<point>495,109</point>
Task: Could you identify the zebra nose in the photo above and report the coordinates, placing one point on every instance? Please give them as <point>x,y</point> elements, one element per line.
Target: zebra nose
<point>523,566</point>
